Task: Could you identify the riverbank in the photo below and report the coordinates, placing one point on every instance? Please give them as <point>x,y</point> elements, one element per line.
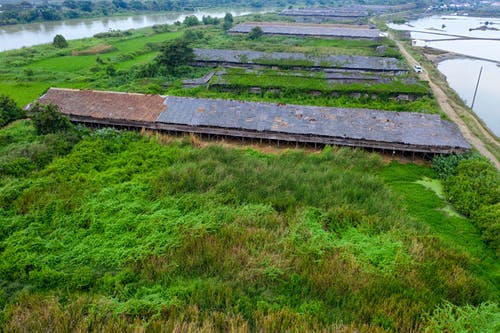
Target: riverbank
<point>470,125</point>
<point>25,35</point>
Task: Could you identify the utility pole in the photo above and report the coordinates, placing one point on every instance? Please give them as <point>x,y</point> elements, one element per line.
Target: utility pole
<point>477,85</point>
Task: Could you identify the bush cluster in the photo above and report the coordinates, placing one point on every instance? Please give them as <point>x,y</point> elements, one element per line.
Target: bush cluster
<point>472,185</point>
<point>9,111</point>
<point>156,232</point>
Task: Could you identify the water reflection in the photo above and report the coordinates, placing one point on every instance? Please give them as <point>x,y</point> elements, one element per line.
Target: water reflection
<point>462,75</point>
<point>455,25</point>
<point>474,48</point>
<point>16,36</point>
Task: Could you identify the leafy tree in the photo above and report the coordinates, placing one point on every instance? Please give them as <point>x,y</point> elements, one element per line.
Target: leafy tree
<point>70,4</point>
<point>120,4</point>
<point>255,33</point>
<point>487,219</point>
<point>111,70</point>
<point>86,6</point>
<point>445,165</point>
<point>228,18</point>
<point>175,54</point>
<point>193,35</point>
<point>191,21</point>
<point>228,21</point>
<point>47,118</point>
<point>50,14</point>
<point>137,5</point>
<point>207,20</point>
<point>9,111</point>
<point>60,42</point>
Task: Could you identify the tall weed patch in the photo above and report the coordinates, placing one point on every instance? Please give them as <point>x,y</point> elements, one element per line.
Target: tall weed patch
<point>124,232</point>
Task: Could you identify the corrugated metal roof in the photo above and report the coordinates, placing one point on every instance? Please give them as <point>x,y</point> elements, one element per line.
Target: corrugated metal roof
<point>326,30</point>
<point>360,124</point>
<point>332,61</point>
<point>353,124</point>
<point>106,104</point>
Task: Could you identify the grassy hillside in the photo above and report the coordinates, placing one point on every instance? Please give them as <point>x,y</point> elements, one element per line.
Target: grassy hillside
<point>116,231</point>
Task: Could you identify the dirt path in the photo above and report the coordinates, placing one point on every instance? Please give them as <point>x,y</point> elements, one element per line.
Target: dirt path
<point>450,109</point>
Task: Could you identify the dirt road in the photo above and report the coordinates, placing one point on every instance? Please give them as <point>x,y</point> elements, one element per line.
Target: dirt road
<point>450,109</point>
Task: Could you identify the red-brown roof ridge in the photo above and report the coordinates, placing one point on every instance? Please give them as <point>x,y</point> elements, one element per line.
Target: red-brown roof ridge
<point>110,105</point>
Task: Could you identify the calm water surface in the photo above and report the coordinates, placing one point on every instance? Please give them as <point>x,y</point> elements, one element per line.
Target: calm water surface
<point>17,36</point>
<point>462,74</point>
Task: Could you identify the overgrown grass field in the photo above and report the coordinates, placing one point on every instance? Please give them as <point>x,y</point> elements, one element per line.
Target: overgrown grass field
<point>112,63</point>
<point>118,231</point>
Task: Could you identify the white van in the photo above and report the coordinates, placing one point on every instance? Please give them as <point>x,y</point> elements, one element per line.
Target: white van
<point>417,68</point>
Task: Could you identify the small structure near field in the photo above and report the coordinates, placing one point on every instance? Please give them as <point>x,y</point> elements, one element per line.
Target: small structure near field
<point>340,14</point>
<point>385,130</point>
<point>311,30</point>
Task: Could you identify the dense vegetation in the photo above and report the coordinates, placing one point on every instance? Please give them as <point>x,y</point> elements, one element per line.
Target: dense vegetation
<point>472,184</point>
<point>110,230</point>
<point>27,12</point>
<point>138,61</point>
<point>9,110</point>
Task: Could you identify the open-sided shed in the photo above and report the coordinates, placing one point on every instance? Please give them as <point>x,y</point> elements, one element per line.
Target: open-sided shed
<point>296,59</point>
<point>397,131</point>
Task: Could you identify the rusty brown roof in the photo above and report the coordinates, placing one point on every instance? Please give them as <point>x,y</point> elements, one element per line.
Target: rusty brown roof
<point>106,104</point>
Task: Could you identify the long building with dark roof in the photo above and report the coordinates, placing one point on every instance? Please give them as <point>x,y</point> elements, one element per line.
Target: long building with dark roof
<point>310,30</point>
<point>297,59</point>
<point>398,131</point>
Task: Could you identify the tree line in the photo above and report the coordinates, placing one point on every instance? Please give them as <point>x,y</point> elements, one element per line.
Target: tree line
<point>27,12</point>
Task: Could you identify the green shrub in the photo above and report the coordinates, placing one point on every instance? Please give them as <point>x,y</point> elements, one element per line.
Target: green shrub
<point>9,111</point>
<point>191,21</point>
<point>487,219</point>
<point>472,185</point>
<point>445,165</point>
<point>175,55</point>
<point>18,166</point>
<point>48,119</point>
<point>476,183</point>
<point>484,318</point>
<point>47,278</point>
<point>60,42</point>
<point>255,33</point>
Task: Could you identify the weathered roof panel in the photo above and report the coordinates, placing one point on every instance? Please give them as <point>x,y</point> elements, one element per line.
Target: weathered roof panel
<point>332,61</point>
<point>412,130</point>
<point>106,104</point>
<point>325,30</point>
<point>362,124</point>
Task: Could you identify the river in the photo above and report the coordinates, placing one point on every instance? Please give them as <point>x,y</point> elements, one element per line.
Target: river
<point>462,74</point>
<point>20,35</point>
